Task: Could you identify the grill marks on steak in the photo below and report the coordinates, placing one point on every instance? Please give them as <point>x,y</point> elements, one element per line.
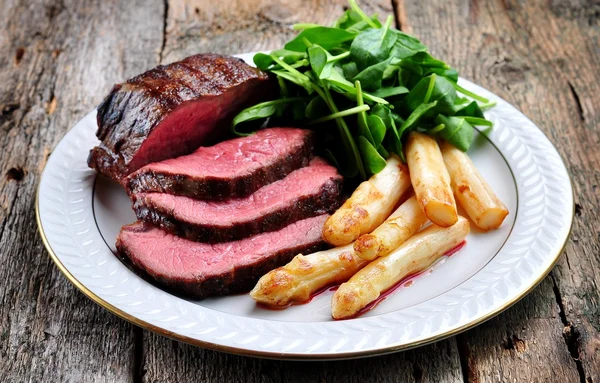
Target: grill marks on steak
<point>306,192</point>
<point>199,270</point>
<point>170,110</point>
<point>231,169</point>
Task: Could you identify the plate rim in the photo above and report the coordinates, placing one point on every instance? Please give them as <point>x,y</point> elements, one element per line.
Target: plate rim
<point>554,256</point>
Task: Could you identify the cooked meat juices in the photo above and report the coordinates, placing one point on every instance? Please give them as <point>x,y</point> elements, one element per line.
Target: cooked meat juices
<point>230,169</point>
<point>199,270</point>
<point>306,192</point>
<point>170,110</point>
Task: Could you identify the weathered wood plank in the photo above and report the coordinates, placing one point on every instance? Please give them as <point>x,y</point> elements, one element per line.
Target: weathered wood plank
<point>520,344</point>
<point>240,26</point>
<point>542,57</point>
<point>57,59</point>
<point>170,361</point>
<point>244,26</point>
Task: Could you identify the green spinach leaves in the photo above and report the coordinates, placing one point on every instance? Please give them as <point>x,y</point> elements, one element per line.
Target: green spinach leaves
<point>372,82</point>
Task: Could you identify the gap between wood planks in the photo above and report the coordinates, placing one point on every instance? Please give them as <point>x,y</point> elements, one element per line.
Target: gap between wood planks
<point>164,34</point>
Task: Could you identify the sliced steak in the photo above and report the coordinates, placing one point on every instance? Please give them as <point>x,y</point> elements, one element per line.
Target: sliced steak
<point>306,192</point>
<point>229,169</point>
<point>170,110</point>
<point>199,270</point>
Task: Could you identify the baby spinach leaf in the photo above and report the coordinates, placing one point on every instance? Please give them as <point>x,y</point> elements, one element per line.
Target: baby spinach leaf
<point>372,46</point>
<point>324,36</point>
<point>451,74</point>
<point>443,92</point>
<point>371,76</point>
<point>478,121</point>
<point>471,110</point>
<point>295,79</point>
<point>425,60</point>
<point>390,91</point>
<point>315,108</point>
<point>382,112</point>
<point>457,131</point>
<point>337,79</point>
<point>350,69</point>
<point>415,116</point>
<point>394,140</point>
<point>319,61</point>
<point>264,61</point>
<point>372,160</point>
<point>377,129</point>
<point>259,111</point>
<point>351,20</point>
<point>406,46</point>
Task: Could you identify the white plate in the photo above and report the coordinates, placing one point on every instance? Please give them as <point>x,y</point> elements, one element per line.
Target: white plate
<point>80,214</point>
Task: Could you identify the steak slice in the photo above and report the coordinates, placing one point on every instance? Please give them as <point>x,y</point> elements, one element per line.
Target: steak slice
<point>306,192</point>
<point>229,169</point>
<point>200,270</point>
<point>171,110</point>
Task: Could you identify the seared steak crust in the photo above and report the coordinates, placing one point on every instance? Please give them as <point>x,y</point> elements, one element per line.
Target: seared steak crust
<point>326,200</point>
<point>200,93</point>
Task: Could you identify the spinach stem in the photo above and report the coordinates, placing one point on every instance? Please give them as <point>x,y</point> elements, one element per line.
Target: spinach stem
<point>478,121</point>
<point>432,79</point>
<point>470,94</point>
<point>347,138</point>
<point>359,95</point>
<point>278,101</point>
<point>303,26</point>
<point>300,63</point>
<point>360,12</point>
<point>338,57</point>
<point>487,105</point>
<point>306,42</point>
<point>301,76</point>
<point>343,113</point>
<point>438,128</point>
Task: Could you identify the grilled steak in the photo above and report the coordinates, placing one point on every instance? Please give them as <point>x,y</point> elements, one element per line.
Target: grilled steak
<point>170,110</point>
<point>199,270</point>
<point>306,192</point>
<point>230,169</point>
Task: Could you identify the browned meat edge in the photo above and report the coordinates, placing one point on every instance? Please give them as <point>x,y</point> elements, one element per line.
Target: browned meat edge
<point>221,188</point>
<point>327,200</point>
<point>240,280</point>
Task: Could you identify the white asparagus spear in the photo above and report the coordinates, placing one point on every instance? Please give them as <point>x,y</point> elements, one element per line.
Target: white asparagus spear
<point>472,191</point>
<point>306,274</point>
<point>430,179</point>
<point>370,204</point>
<point>413,256</point>
<point>403,223</point>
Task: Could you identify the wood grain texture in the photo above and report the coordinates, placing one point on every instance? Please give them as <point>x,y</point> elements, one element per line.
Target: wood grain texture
<point>239,26</point>
<point>57,59</point>
<point>170,361</point>
<point>543,57</point>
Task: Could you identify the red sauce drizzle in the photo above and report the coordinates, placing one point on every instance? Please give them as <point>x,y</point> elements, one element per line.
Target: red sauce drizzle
<point>312,296</point>
<point>405,282</point>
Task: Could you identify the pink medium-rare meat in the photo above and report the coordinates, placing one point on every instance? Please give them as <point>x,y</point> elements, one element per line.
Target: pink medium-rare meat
<point>171,110</point>
<point>230,169</point>
<point>313,190</point>
<point>200,270</point>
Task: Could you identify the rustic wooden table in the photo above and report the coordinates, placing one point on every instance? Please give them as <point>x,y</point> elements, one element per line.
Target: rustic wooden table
<point>59,57</point>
